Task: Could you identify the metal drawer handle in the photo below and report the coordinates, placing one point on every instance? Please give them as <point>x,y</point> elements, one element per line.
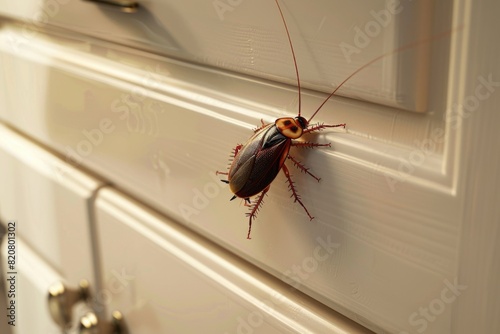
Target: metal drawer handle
<point>127,6</point>
<point>90,324</point>
<point>61,300</point>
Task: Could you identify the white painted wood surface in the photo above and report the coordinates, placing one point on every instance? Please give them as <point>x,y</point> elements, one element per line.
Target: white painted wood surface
<point>478,184</point>
<point>34,276</point>
<point>51,201</point>
<point>410,200</point>
<point>332,38</point>
<point>165,279</point>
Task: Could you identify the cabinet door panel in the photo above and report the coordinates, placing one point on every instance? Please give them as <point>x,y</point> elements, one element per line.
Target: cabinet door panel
<point>387,204</point>
<point>166,279</point>
<point>332,38</point>
<point>32,278</point>
<point>50,201</point>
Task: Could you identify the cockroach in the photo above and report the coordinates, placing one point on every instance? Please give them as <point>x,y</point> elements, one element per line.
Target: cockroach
<point>256,163</point>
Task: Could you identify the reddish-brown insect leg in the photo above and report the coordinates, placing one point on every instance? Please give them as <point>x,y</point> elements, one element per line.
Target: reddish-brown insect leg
<point>222,173</point>
<point>262,126</point>
<point>303,168</point>
<point>306,145</point>
<point>254,209</point>
<point>236,150</point>
<point>319,127</point>
<point>233,154</point>
<point>294,191</point>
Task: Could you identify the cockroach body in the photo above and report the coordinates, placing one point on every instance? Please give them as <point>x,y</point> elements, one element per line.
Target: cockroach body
<point>256,163</point>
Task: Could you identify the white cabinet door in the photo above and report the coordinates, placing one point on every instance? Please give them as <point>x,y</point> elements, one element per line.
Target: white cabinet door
<point>165,279</point>
<point>332,38</point>
<point>51,205</point>
<point>391,234</point>
<point>27,285</point>
<point>410,200</point>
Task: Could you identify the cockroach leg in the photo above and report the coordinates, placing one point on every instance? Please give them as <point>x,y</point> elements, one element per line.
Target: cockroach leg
<point>236,149</point>
<point>254,209</point>
<point>294,191</point>
<point>247,202</point>
<point>303,168</point>
<point>222,173</point>
<point>233,154</point>
<point>262,126</point>
<point>320,127</point>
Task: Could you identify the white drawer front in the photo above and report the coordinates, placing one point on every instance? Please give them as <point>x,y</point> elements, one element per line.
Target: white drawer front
<point>166,279</point>
<point>160,129</point>
<point>50,200</point>
<point>28,295</point>
<point>332,38</point>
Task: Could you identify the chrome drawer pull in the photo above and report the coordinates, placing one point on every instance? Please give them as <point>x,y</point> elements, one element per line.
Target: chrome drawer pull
<point>90,324</point>
<point>61,300</point>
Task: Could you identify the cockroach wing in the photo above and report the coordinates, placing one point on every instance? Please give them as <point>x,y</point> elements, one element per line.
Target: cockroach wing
<point>258,162</point>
